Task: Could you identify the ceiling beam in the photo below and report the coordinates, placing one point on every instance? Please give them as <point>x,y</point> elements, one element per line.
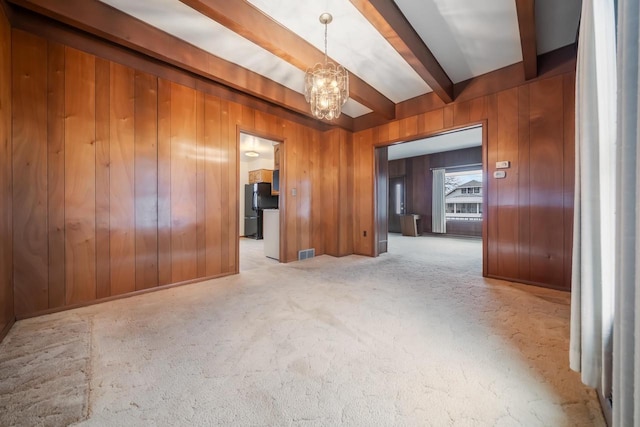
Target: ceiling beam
<point>251,23</point>
<point>527,24</point>
<point>387,18</point>
<point>111,24</point>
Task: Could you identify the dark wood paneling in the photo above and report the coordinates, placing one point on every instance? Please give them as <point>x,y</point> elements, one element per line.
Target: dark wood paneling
<point>547,176</point>
<point>146,180</point>
<point>80,189</point>
<point>7,313</point>
<point>122,198</point>
<point>30,248</point>
<point>55,173</point>
<point>569,83</point>
<point>507,188</point>
<point>524,224</point>
<point>103,179</point>
<point>397,168</point>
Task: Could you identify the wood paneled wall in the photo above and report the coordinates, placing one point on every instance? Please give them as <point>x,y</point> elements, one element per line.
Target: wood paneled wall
<point>125,181</point>
<point>529,227</point>
<point>337,173</point>
<point>6,227</point>
<point>419,178</point>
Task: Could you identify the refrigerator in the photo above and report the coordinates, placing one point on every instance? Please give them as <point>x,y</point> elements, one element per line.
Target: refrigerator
<point>257,197</point>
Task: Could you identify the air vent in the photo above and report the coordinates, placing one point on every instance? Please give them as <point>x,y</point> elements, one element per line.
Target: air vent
<point>306,253</point>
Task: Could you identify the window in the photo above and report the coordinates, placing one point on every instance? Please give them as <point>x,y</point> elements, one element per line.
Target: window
<point>464,191</point>
<point>476,190</point>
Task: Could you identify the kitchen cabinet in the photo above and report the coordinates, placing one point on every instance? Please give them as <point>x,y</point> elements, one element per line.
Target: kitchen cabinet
<point>260,175</point>
<point>276,157</point>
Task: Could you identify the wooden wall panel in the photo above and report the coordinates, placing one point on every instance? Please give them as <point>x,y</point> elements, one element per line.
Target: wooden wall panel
<point>225,160</point>
<point>164,182</point>
<point>547,177</point>
<point>201,243</point>
<point>507,188</point>
<point>55,173</point>
<point>146,180</point>
<point>183,184</point>
<point>213,185</point>
<point>122,213</point>
<point>7,313</point>
<point>331,185</point>
<point>569,83</point>
<point>103,178</point>
<point>80,189</point>
<point>30,248</point>
<point>234,121</point>
<point>524,224</point>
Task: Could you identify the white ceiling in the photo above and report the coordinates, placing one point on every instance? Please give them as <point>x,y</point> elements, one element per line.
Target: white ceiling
<point>436,144</point>
<point>264,147</point>
<point>467,37</point>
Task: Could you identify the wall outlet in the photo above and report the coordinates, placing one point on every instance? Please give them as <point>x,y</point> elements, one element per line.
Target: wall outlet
<point>294,192</point>
<point>499,174</point>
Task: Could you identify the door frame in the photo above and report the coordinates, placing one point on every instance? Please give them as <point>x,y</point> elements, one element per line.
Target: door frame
<point>485,182</point>
<point>282,191</point>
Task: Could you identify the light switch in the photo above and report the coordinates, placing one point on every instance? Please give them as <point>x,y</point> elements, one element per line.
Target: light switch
<point>499,174</point>
<point>505,164</point>
<point>294,192</point>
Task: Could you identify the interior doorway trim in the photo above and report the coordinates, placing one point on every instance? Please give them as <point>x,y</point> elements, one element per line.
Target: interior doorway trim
<point>485,180</point>
<point>282,205</point>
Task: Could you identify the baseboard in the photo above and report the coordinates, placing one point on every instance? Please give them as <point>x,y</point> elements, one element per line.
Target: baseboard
<point>7,328</point>
<point>117,297</point>
<point>607,410</point>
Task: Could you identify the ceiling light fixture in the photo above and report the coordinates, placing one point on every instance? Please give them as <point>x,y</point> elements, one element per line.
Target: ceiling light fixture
<point>251,154</point>
<point>326,86</point>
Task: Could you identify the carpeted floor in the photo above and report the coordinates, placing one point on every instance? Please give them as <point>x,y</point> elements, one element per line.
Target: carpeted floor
<point>413,337</point>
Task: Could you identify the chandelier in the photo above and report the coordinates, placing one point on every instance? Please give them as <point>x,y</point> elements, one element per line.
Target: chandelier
<point>326,86</point>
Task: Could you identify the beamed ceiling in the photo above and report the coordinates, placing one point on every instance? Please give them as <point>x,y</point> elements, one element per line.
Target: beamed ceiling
<point>396,51</point>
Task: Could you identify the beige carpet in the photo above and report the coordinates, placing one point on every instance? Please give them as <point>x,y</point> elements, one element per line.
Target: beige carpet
<point>413,338</point>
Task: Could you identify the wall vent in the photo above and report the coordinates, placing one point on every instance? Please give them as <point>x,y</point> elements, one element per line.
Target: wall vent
<point>306,253</point>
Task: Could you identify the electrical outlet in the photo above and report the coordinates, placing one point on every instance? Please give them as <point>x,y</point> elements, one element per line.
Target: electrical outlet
<point>499,174</point>
<point>294,192</point>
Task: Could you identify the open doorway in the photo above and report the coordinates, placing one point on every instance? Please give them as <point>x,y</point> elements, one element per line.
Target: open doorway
<point>259,201</point>
<point>435,190</point>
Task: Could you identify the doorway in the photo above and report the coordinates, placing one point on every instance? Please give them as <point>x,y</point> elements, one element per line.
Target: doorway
<point>414,170</point>
<point>396,202</point>
<point>259,200</point>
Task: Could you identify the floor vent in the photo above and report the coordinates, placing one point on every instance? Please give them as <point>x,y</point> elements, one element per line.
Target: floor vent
<point>306,253</point>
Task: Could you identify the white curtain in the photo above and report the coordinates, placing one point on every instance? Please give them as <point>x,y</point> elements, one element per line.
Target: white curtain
<point>593,271</point>
<point>438,217</point>
<point>626,362</point>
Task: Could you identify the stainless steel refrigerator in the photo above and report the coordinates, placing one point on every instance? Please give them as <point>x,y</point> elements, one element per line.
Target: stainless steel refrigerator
<point>256,198</point>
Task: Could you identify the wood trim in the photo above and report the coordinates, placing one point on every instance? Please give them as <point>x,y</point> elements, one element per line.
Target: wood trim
<point>387,18</point>
<point>528,282</point>
<point>527,26</point>
<point>121,296</point>
<point>7,328</point>
<point>246,20</point>
<point>110,24</point>
<point>55,31</point>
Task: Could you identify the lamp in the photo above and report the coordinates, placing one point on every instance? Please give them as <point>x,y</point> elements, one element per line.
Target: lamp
<point>326,86</point>
<point>251,154</point>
